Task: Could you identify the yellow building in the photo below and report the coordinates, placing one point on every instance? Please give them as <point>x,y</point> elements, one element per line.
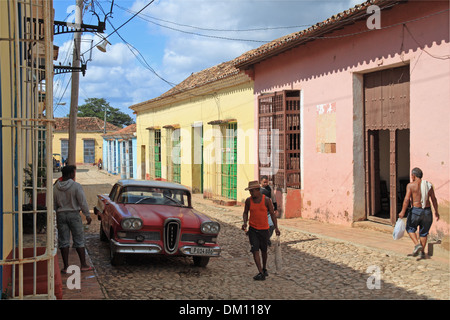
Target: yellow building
<point>201,133</point>
<point>89,142</point>
<point>26,116</point>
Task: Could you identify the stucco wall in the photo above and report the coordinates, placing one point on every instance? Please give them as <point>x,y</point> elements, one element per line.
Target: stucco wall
<point>330,71</point>
<point>79,157</point>
<point>235,102</point>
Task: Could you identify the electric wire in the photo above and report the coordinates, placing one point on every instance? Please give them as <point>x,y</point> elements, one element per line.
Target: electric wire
<point>123,24</point>
<point>139,55</point>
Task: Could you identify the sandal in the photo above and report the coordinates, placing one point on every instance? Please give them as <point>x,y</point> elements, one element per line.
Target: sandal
<point>417,248</point>
<point>87,269</point>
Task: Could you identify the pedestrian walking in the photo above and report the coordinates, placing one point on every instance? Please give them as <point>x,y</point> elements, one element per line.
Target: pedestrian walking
<point>421,192</point>
<point>69,199</point>
<point>267,190</point>
<point>258,231</point>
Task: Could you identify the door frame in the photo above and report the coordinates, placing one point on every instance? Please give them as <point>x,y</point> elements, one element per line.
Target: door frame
<point>386,93</point>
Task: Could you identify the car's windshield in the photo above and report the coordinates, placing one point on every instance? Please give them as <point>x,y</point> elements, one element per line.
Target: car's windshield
<point>153,195</point>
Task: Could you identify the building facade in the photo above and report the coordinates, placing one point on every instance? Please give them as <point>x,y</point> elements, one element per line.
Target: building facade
<point>89,142</point>
<point>26,118</point>
<point>373,103</point>
<point>201,134</point>
<point>119,152</point>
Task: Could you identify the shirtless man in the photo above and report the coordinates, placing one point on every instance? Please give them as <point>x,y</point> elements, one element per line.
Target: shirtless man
<point>421,215</point>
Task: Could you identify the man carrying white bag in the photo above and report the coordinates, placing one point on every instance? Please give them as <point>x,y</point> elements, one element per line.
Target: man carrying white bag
<point>422,194</point>
<point>399,229</point>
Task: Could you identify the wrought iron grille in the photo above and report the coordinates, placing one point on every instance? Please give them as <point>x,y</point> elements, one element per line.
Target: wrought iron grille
<point>279,138</point>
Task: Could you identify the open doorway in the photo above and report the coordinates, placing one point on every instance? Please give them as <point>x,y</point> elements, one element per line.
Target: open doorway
<point>197,158</point>
<point>387,146</point>
<point>387,178</point>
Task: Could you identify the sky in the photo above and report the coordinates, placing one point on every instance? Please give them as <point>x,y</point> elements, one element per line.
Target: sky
<point>169,40</point>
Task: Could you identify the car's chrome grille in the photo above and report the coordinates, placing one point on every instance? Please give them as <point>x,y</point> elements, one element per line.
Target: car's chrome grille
<point>172,229</point>
<point>192,237</point>
<point>145,235</point>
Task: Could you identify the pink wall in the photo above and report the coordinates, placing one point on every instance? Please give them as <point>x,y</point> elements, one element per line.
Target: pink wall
<point>325,71</point>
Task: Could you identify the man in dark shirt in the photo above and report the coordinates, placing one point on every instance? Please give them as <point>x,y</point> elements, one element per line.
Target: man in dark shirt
<point>269,193</point>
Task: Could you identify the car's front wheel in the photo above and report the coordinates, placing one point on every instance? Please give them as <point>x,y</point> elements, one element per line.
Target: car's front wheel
<point>103,236</point>
<point>200,261</point>
<point>116,259</point>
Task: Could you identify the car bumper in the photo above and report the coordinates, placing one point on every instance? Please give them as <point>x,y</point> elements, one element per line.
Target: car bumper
<point>201,251</point>
<point>147,248</point>
<point>150,248</point>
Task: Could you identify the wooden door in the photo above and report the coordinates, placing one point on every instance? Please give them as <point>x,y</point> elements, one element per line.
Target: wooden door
<point>386,107</point>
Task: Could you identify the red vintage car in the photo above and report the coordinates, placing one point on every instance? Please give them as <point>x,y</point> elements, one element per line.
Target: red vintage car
<point>155,217</point>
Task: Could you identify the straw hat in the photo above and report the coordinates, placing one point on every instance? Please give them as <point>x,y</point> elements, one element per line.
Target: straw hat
<point>253,185</point>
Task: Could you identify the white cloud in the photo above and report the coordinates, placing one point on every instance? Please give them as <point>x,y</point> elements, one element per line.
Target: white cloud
<point>194,48</point>
<point>121,79</point>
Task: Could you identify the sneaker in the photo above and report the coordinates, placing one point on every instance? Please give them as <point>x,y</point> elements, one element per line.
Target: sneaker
<point>259,276</point>
<point>265,273</point>
<point>416,250</point>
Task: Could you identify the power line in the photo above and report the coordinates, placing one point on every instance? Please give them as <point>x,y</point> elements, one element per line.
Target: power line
<point>115,30</point>
<point>139,57</point>
<point>213,29</point>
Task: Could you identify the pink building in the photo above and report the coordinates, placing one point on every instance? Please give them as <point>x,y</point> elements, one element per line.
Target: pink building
<point>363,103</point>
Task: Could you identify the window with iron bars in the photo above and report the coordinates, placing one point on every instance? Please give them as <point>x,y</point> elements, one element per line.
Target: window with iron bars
<point>27,221</point>
<point>154,151</point>
<point>229,161</point>
<point>157,148</point>
<point>279,138</point>
<point>173,154</point>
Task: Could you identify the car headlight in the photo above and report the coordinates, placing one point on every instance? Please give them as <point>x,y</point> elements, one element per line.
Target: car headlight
<point>131,224</point>
<point>210,227</point>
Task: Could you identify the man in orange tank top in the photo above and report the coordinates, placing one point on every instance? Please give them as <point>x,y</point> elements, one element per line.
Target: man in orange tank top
<point>258,231</point>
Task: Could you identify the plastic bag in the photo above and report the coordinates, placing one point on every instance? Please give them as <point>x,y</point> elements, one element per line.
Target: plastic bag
<point>399,229</point>
<point>278,257</point>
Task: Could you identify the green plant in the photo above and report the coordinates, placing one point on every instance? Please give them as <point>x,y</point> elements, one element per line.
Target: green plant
<point>41,178</point>
<point>41,218</point>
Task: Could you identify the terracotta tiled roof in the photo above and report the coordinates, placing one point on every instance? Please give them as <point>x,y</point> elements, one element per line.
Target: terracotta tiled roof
<point>84,124</point>
<point>124,133</point>
<point>318,30</point>
<point>198,79</point>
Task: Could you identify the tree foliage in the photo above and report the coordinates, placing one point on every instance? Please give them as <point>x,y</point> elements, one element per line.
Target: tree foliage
<point>95,107</point>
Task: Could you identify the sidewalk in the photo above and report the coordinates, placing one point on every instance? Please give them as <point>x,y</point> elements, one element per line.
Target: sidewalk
<point>89,287</point>
<point>366,234</point>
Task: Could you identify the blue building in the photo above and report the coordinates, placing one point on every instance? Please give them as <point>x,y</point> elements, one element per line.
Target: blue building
<point>119,152</point>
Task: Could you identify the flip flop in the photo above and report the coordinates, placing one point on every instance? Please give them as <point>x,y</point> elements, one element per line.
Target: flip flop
<point>87,269</point>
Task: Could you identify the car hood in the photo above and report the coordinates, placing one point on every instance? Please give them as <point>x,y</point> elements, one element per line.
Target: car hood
<point>155,215</point>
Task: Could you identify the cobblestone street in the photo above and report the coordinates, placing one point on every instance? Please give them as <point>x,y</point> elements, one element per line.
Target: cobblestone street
<point>314,267</point>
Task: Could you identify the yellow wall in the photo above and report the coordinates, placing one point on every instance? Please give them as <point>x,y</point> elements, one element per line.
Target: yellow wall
<point>5,104</point>
<point>236,102</point>
<point>79,158</point>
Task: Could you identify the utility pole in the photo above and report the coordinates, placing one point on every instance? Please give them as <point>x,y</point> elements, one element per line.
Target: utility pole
<point>76,62</point>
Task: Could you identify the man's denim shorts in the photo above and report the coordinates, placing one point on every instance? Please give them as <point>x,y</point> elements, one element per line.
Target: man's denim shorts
<point>70,222</point>
<point>422,218</point>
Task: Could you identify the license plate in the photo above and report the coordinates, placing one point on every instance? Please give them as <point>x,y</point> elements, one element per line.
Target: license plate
<point>202,251</point>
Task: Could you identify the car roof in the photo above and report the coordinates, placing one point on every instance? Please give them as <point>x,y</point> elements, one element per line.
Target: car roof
<point>152,183</point>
